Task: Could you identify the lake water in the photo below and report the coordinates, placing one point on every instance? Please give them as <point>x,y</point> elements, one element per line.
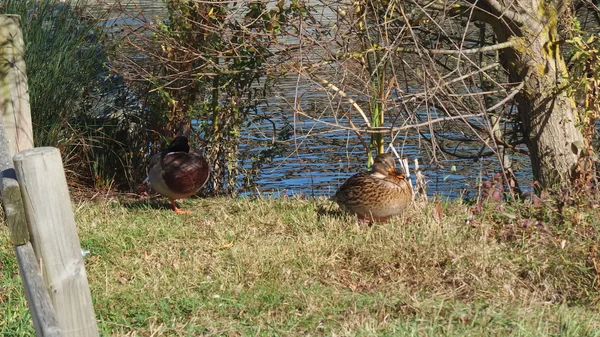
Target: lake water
<point>321,157</point>
<point>318,158</point>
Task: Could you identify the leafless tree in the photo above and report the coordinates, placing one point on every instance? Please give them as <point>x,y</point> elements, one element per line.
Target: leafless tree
<point>493,72</point>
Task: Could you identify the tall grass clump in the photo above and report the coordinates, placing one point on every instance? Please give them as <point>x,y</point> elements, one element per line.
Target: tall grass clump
<point>66,58</point>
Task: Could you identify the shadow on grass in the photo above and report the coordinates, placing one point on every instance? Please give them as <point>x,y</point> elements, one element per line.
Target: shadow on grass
<point>159,204</point>
<point>331,210</point>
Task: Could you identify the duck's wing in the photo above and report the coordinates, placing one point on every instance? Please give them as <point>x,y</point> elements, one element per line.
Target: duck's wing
<point>354,191</point>
<point>184,172</point>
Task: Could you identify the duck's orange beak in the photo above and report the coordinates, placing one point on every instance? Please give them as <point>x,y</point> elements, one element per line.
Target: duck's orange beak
<point>397,173</point>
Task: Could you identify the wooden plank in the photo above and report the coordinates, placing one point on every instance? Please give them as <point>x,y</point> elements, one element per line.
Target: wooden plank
<point>13,209</point>
<point>14,94</point>
<point>40,306</point>
<point>11,195</point>
<point>54,237</point>
<point>16,134</point>
<point>14,101</point>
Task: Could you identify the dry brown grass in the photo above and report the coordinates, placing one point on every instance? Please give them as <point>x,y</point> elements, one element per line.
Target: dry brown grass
<point>292,266</point>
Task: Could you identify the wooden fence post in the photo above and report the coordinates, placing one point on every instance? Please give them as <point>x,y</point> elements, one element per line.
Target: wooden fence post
<point>54,237</point>
<point>14,95</point>
<point>16,134</point>
<point>40,305</point>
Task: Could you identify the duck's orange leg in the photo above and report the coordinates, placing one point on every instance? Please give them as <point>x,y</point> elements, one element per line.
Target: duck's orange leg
<point>364,220</point>
<point>382,220</point>
<point>177,209</point>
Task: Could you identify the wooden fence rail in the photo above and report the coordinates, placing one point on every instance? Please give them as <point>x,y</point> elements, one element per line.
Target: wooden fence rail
<point>37,207</point>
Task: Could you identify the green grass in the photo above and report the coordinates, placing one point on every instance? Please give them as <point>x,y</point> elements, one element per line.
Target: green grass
<point>289,267</point>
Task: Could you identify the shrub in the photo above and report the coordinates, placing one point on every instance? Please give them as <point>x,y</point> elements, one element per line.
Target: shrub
<point>66,60</point>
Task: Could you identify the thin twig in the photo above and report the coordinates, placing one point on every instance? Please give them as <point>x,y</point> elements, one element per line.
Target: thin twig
<point>494,47</point>
<point>372,130</point>
<point>510,96</point>
<point>331,86</point>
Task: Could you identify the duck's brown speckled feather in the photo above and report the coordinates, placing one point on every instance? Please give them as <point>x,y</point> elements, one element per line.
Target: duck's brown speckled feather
<point>381,193</point>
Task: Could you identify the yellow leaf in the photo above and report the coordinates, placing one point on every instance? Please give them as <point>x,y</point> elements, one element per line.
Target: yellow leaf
<point>590,39</point>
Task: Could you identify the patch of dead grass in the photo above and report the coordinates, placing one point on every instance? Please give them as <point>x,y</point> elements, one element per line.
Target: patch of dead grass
<point>294,266</point>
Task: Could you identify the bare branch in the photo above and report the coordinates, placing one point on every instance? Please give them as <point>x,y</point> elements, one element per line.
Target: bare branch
<point>510,96</point>
<point>475,72</point>
<point>504,11</point>
<point>373,130</point>
<point>331,86</point>
<point>494,47</point>
<point>511,146</point>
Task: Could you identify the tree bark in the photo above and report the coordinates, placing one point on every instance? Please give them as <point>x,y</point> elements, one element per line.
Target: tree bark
<point>548,114</point>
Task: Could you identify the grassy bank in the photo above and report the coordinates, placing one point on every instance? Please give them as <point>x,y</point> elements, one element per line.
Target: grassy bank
<point>286,267</point>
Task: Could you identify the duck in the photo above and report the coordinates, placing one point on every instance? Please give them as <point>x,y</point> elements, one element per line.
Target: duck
<point>378,194</point>
<point>177,173</point>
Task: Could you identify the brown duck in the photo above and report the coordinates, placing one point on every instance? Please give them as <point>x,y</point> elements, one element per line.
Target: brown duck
<point>378,194</point>
<point>176,173</point>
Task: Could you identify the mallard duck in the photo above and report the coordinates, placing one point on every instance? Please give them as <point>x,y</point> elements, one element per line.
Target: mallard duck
<point>378,194</point>
<point>176,173</point>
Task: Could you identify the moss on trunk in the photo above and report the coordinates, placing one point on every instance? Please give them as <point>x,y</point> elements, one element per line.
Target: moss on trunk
<point>548,113</point>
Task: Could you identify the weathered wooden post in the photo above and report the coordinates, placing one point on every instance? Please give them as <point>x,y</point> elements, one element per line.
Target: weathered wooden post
<point>14,95</point>
<point>40,305</point>
<point>16,135</point>
<point>54,237</point>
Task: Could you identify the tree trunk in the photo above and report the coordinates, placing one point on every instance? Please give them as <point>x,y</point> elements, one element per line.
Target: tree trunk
<point>548,114</point>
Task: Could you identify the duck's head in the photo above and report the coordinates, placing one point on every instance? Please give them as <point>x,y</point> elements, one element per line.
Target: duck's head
<point>179,144</point>
<point>385,166</point>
